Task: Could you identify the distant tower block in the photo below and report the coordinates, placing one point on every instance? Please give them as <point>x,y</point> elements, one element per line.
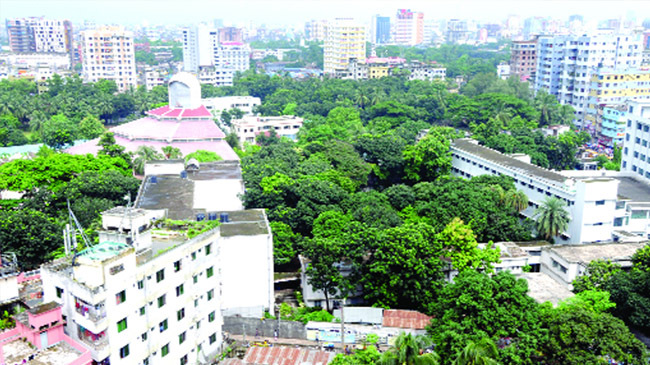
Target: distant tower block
<point>184,91</point>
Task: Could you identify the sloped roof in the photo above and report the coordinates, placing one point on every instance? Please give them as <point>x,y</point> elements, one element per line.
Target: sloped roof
<point>405,319</point>
<point>286,356</point>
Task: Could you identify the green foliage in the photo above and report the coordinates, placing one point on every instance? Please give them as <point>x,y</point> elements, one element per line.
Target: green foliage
<point>367,356</point>
<point>596,276</point>
<point>58,132</point>
<point>641,258</point>
<point>285,243</point>
<point>190,228</point>
<point>30,234</point>
<point>594,300</point>
<point>409,349</point>
<point>203,156</point>
<point>482,352</point>
<point>429,158</point>
<point>172,153</point>
<point>143,155</point>
<point>551,218</point>
<point>90,127</point>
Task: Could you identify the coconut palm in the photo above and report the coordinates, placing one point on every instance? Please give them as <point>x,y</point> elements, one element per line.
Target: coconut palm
<point>547,106</point>
<point>410,350</point>
<point>142,155</point>
<point>172,153</point>
<point>361,99</point>
<point>503,114</point>
<point>551,217</point>
<point>482,352</point>
<point>517,200</point>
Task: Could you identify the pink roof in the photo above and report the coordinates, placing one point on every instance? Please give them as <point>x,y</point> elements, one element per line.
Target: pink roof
<point>385,60</point>
<point>286,356</point>
<point>167,112</point>
<point>168,130</point>
<point>405,319</point>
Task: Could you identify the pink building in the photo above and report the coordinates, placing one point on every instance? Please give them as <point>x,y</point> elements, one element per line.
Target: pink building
<point>38,338</point>
<point>185,123</point>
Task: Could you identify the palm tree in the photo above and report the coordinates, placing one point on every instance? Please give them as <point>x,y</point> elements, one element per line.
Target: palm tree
<point>410,350</point>
<point>361,99</point>
<point>172,153</point>
<point>547,105</point>
<point>142,155</point>
<point>551,218</point>
<point>482,352</point>
<point>503,114</point>
<point>517,200</point>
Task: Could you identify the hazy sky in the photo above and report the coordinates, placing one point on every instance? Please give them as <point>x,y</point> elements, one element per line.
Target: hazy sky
<point>295,13</point>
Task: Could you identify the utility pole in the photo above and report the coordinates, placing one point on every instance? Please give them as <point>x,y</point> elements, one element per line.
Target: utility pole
<point>342,326</point>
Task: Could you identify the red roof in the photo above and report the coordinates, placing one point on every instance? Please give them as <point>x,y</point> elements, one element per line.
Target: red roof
<point>286,356</point>
<point>167,112</point>
<point>405,319</point>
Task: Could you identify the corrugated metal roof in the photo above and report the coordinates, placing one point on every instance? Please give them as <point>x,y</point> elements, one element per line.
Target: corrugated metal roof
<point>405,319</point>
<point>286,356</point>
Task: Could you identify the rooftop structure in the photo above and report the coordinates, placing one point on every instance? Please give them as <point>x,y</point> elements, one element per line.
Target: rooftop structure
<point>543,288</point>
<point>282,356</point>
<point>184,123</point>
<point>251,126</point>
<point>405,319</point>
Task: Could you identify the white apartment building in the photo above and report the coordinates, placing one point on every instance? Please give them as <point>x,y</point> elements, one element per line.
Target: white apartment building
<point>108,53</point>
<point>52,36</point>
<point>244,103</point>
<point>426,72</point>
<point>565,64</point>
<point>155,77</point>
<point>409,27</point>
<point>316,30</point>
<point>345,40</point>
<point>599,205</point>
<point>636,150</point>
<point>251,126</point>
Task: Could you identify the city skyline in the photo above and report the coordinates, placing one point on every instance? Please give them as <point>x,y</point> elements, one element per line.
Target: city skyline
<point>294,13</point>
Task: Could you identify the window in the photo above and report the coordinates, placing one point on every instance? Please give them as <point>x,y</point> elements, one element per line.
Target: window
<point>121,325</point>
<point>160,275</point>
<point>120,297</point>
<point>210,271</point>
<point>180,290</point>
<point>181,338</point>
<point>211,317</point>
<point>164,350</point>
<point>142,311</point>
<point>198,325</point>
<point>196,303</point>
<point>161,301</point>
<point>140,284</point>
<point>145,361</point>
<point>184,360</point>
<point>600,202</point>
<point>59,292</point>
<point>195,278</point>
<point>124,352</point>
<point>193,255</point>
<point>177,266</point>
<point>163,326</point>
<point>144,336</point>
<point>211,294</point>
<point>180,314</point>
<point>213,338</point>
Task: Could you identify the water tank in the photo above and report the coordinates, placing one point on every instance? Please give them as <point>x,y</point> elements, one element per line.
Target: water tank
<point>183,174</point>
<point>223,217</point>
<point>212,216</point>
<point>200,217</point>
<point>154,179</point>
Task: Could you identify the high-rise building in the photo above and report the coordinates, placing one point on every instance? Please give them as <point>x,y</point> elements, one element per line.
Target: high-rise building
<point>409,27</point>
<point>345,40</point>
<point>636,150</point>
<point>565,64</point>
<point>457,31</point>
<point>231,34</point>
<point>40,35</point>
<point>108,53</point>
<point>523,59</point>
<point>316,30</point>
<point>380,29</point>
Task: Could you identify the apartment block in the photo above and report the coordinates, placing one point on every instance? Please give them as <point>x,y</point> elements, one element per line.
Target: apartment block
<point>409,27</point>
<point>40,35</point>
<point>345,40</point>
<point>636,150</point>
<point>231,34</point>
<point>566,64</point>
<point>21,35</point>
<point>600,205</point>
<point>610,125</point>
<point>380,29</point>
<point>108,54</point>
<point>523,59</point>
<point>251,126</point>
<point>316,30</point>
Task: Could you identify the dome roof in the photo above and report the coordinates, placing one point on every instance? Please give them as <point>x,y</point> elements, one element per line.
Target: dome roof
<point>184,91</point>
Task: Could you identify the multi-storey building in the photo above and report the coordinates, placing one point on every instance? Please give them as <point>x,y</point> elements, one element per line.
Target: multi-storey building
<point>610,126</point>
<point>409,27</point>
<point>600,205</point>
<point>380,29</point>
<point>251,126</point>
<point>457,31</point>
<point>21,35</point>
<point>231,34</point>
<point>244,103</point>
<point>345,40</point>
<point>612,87</point>
<point>316,30</point>
<point>198,44</point>
<point>108,54</point>
<point>40,35</point>
<point>636,150</point>
<point>523,59</point>
<point>421,71</point>
<point>565,64</point>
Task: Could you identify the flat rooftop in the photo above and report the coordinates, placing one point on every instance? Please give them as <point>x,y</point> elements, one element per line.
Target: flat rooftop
<point>103,250</point>
<point>632,189</point>
<point>466,145</point>
<point>544,288</point>
<point>17,351</point>
<point>589,252</point>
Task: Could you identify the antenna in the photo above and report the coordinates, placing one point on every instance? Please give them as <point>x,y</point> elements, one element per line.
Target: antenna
<point>75,223</point>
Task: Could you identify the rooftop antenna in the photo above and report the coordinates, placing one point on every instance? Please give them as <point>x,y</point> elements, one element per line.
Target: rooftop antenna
<point>72,238</point>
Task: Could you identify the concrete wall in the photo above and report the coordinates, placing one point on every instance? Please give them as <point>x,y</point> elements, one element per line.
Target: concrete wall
<point>265,328</point>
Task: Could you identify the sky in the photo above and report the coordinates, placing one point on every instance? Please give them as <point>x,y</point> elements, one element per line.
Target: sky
<point>280,13</point>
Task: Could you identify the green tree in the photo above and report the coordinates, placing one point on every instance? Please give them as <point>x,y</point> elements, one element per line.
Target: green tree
<point>58,132</point>
<point>143,155</point>
<point>30,234</point>
<point>203,156</point>
<point>429,158</point>
<point>596,276</point>
<point>172,153</point>
<point>641,258</point>
<point>458,243</point>
<point>551,218</point>
<point>367,356</point>
<point>325,254</point>
<point>285,243</point>
<point>517,200</point>
<point>410,350</point>
<point>109,147</point>
<point>482,352</point>
<point>593,300</point>
<point>90,127</point>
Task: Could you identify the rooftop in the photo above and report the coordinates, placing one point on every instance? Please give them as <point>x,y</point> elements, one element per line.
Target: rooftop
<point>104,250</point>
<point>42,308</point>
<point>405,319</point>
<point>589,252</point>
<point>632,189</point>
<point>467,145</point>
<point>544,288</point>
<point>16,352</point>
<point>285,356</point>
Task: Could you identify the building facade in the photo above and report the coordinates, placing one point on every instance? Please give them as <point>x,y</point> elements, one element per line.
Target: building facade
<point>636,150</point>
<point>523,59</point>
<point>409,27</point>
<point>565,65</point>
<point>345,40</point>
<point>108,54</point>
<point>610,126</point>
<point>231,34</point>
<point>380,29</point>
<point>251,126</point>
<point>316,30</point>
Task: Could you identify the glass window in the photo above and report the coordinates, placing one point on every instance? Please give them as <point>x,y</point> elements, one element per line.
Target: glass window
<point>213,338</point>
<point>196,279</point>
<point>164,350</point>
<point>600,202</point>
<point>160,275</point>
<point>142,311</point>
<point>181,338</point>
<point>211,317</point>
<point>163,326</point>
<point>120,297</point>
<point>184,360</point>
<point>140,284</point>
<point>211,294</point>
<point>210,272</point>
<point>161,301</point>
<point>59,292</point>
<point>124,351</point>
<point>121,325</point>
<point>180,290</point>
<point>208,249</point>
<point>193,255</point>
<point>177,266</point>
<point>144,336</point>
<point>180,314</point>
